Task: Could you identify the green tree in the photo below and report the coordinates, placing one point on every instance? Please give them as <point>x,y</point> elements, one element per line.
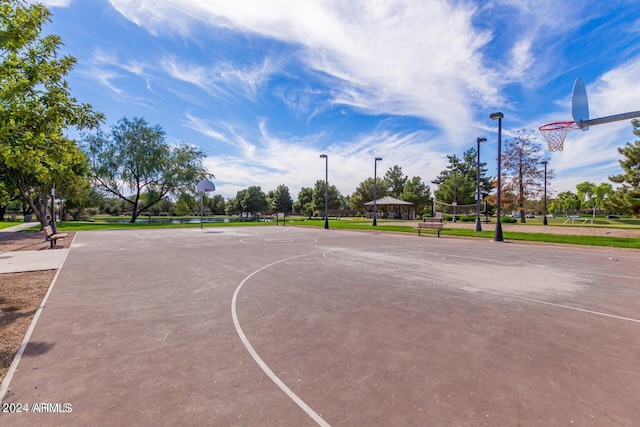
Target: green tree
<point>233,206</point>
<point>135,159</point>
<point>468,168</point>
<point>618,202</point>
<point>460,174</point>
<point>163,207</point>
<point>215,204</point>
<point>523,170</point>
<point>281,200</point>
<point>253,200</point>
<point>182,208</point>
<point>111,205</point>
<point>586,194</point>
<point>630,177</point>
<point>603,192</point>
<point>36,108</point>
<point>592,196</point>
<point>418,193</point>
<point>5,199</point>
<point>395,180</point>
<point>334,199</point>
<point>566,202</point>
<point>364,193</point>
<point>190,201</point>
<point>148,196</point>
<point>304,204</point>
<point>457,183</point>
<point>78,196</point>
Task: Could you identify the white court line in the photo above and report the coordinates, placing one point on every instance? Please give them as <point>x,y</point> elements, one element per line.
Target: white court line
<point>4,387</point>
<point>584,310</point>
<point>317,418</point>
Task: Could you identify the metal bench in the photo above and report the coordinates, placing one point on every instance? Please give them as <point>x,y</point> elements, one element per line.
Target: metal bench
<point>51,236</point>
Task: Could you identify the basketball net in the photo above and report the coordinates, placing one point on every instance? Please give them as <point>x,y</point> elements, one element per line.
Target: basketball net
<point>555,133</point>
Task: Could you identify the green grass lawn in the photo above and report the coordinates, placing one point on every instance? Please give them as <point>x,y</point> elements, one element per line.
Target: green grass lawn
<point>488,232</point>
<point>386,226</point>
<point>5,224</point>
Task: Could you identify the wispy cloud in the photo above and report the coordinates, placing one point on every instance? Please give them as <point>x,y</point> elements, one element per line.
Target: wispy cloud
<point>346,72</point>
<point>402,57</point>
<point>221,79</point>
<point>222,132</point>
<point>295,161</point>
<point>52,3</point>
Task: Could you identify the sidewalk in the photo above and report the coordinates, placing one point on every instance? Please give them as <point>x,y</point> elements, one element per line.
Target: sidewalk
<point>19,227</point>
<point>21,261</point>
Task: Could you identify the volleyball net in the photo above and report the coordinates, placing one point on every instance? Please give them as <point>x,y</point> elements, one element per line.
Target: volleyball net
<point>458,209</point>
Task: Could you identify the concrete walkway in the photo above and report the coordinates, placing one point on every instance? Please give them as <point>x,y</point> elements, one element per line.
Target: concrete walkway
<point>21,261</point>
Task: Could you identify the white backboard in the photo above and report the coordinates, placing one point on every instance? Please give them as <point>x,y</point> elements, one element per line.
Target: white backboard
<point>580,103</point>
<point>205,186</point>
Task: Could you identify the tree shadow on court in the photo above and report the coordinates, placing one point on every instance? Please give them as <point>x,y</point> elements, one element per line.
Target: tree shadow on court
<point>37,348</point>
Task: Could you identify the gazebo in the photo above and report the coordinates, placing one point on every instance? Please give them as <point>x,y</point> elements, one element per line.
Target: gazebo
<point>391,208</point>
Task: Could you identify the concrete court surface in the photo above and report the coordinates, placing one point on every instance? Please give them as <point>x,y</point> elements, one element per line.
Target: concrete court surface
<point>291,326</point>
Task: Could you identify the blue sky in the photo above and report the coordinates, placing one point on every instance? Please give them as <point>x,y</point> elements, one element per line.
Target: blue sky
<point>266,86</point>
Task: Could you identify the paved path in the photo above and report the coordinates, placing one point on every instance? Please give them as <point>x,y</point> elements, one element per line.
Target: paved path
<point>21,261</point>
<point>273,326</point>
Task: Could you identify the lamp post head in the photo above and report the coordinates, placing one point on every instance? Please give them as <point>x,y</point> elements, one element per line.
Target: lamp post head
<point>496,116</point>
<point>544,162</point>
<point>323,156</point>
<point>378,158</point>
<point>479,140</point>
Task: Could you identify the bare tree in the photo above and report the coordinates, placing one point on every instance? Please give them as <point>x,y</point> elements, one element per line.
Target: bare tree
<point>523,172</point>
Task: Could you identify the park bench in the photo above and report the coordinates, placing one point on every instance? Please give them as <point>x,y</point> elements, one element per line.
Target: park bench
<point>51,236</point>
<point>430,223</point>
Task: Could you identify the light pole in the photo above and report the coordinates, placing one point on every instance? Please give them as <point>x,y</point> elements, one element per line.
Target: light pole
<point>455,195</point>
<point>375,186</point>
<point>498,233</point>
<point>478,223</point>
<point>544,210</point>
<point>326,189</point>
<point>53,208</point>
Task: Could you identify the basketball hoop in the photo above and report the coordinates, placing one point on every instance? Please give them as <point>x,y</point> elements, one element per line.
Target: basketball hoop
<point>555,133</point>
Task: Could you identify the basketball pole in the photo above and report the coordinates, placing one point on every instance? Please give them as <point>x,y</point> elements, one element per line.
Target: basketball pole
<point>608,119</point>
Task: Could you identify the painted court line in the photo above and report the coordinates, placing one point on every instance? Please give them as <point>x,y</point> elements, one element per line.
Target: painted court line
<point>584,310</point>
<point>317,418</point>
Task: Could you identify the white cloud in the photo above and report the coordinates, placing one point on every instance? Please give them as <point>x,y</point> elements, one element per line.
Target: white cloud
<point>204,128</point>
<point>426,59</point>
<point>295,162</point>
<point>222,132</point>
<point>616,91</point>
<point>221,79</point>
<point>52,3</point>
<point>402,57</point>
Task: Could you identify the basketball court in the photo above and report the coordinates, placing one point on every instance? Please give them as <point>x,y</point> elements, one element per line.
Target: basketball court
<point>282,326</point>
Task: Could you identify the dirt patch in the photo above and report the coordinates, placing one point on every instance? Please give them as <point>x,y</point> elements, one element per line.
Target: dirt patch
<point>21,293</point>
<point>20,296</point>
